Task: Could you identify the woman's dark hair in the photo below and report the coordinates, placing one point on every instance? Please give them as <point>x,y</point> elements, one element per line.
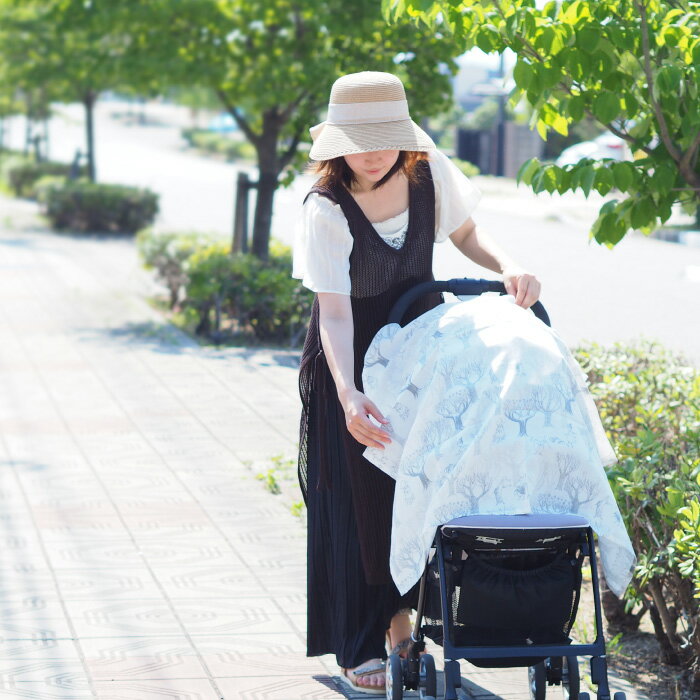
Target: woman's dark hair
<point>336,171</point>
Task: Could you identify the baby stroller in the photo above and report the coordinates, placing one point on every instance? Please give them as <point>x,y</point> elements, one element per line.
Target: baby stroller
<point>502,590</point>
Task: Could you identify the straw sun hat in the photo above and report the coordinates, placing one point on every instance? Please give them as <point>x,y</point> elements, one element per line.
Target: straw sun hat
<point>367,111</point>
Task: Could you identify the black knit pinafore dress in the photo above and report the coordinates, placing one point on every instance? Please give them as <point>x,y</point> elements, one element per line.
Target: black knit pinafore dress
<point>351,596</point>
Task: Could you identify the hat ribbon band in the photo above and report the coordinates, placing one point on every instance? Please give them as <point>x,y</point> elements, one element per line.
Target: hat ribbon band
<point>367,112</point>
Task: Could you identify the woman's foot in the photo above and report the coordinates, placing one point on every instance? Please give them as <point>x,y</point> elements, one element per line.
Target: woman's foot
<point>369,677</point>
<point>399,634</point>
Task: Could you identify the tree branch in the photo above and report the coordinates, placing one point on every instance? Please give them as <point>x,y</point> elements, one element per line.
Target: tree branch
<point>658,112</point>
<point>286,157</point>
<point>287,111</point>
<point>242,123</point>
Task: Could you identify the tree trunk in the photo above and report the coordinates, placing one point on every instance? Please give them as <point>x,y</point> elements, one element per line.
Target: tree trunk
<point>267,185</point>
<point>614,610</point>
<point>268,181</point>
<point>89,100</point>
<point>667,653</point>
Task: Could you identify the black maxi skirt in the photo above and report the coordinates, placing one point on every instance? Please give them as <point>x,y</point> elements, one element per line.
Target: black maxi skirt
<point>345,616</point>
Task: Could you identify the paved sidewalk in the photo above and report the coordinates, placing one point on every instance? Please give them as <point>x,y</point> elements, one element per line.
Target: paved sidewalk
<point>141,558</point>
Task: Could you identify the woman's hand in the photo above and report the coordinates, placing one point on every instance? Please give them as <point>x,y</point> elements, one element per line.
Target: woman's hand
<point>522,285</point>
<point>357,407</point>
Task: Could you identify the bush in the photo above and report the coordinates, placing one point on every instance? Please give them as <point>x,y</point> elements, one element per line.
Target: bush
<point>167,253</point>
<point>84,206</point>
<point>649,402</point>
<point>209,281</point>
<point>266,298</point>
<point>211,142</point>
<point>258,296</point>
<point>469,169</point>
<point>40,189</point>
<point>229,294</point>
<point>23,173</point>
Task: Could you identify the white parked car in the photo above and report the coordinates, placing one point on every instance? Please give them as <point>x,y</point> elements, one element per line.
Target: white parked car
<point>606,145</point>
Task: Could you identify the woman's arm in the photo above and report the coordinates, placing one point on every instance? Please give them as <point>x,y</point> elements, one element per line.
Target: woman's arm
<point>336,329</point>
<point>479,247</point>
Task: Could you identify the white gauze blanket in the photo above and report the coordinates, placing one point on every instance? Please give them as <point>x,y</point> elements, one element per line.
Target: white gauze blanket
<point>489,413</point>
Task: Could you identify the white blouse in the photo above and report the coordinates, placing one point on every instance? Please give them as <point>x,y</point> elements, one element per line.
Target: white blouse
<point>323,242</point>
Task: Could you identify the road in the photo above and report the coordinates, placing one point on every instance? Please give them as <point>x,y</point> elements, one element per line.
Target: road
<point>642,288</point>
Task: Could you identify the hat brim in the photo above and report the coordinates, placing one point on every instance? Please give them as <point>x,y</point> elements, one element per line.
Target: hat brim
<point>344,139</point>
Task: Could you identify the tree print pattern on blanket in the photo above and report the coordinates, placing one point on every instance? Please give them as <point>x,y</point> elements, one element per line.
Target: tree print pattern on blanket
<point>488,413</point>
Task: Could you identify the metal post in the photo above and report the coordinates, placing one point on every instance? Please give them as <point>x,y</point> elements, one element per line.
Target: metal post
<point>239,243</point>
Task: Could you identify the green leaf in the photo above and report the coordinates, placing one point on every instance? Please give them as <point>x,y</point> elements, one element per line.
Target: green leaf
<point>588,175</point>
<point>587,38</point>
<point>606,107</point>
<point>623,174</point>
<point>576,106</point>
<point>527,170</point>
<point>542,129</point>
<point>642,213</point>
<point>604,180</point>
<point>522,74</point>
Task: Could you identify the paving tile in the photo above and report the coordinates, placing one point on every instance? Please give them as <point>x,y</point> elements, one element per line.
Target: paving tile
<point>251,657</point>
<point>143,658</point>
<point>318,687</point>
<point>172,689</point>
<point>127,617</point>
<point>224,616</point>
<point>107,584</point>
<point>208,582</point>
<point>40,690</point>
<point>61,672</point>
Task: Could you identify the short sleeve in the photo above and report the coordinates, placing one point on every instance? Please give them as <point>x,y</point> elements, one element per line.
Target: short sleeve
<point>456,196</point>
<point>322,247</point>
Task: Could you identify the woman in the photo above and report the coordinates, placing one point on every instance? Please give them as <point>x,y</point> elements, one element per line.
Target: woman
<point>385,196</point>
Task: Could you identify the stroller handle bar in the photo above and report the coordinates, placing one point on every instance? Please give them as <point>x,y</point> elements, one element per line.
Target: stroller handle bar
<point>464,286</point>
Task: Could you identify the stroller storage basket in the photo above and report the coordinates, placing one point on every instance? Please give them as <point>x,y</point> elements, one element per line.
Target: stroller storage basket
<point>507,587</point>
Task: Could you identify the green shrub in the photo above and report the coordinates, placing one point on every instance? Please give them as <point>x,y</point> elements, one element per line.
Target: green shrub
<point>10,161</point>
<point>245,294</point>
<point>469,169</point>
<point>83,206</point>
<point>210,278</point>
<point>166,254</point>
<point>649,402</point>
<point>266,298</point>
<point>24,173</point>
<point>211,142</point>
<point>40,189</point>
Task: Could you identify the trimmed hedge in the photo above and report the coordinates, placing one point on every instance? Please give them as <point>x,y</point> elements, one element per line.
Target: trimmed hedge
<point>229,294</point>
<point>84,206</point>
<point>22,173</point>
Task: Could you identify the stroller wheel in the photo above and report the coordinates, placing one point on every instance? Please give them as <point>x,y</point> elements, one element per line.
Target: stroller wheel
<point>427,686</point>
<point>394,678</point>
<point>537,681</point>
<point>571,680</point>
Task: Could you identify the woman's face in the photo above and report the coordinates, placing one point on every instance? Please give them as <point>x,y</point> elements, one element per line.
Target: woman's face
<point>372,166</point>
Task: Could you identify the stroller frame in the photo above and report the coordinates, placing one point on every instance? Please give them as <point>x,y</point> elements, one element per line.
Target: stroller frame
<point>418,672</point>
<point>452,653</point>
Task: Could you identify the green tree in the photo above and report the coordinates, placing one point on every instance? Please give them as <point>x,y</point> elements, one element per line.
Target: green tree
<point>272,65</point>
<point>68,50</point>
<point>632,65</point>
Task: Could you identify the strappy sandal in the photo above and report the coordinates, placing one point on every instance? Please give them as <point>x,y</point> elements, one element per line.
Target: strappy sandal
<point>401,648</point>
<point>350,678</point>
